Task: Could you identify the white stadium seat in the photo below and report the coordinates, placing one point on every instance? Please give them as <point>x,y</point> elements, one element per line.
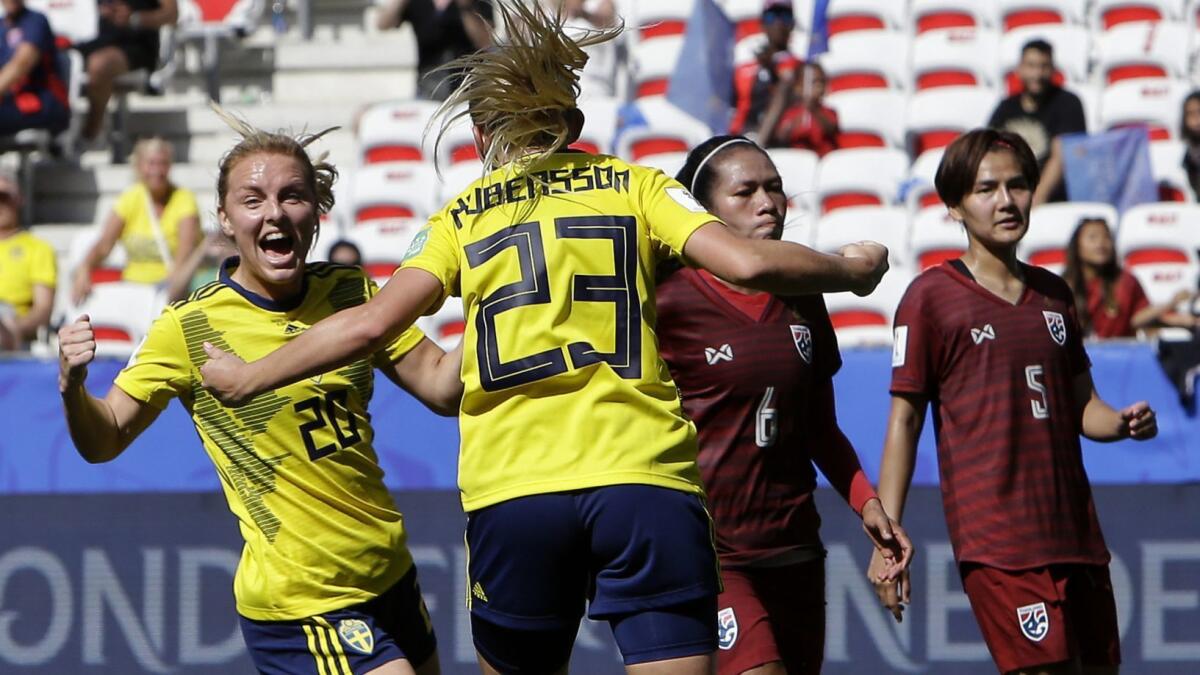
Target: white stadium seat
<point>1017,14</point>
<point>653,64</point>
<point>445,326</point>
<point>456,145</point>
<point>938,116</point>
<point>867,59</point>
<point>640,142</point>
<point>1050,229</point>
<point>957,57</point>
<point>1158,244</point>
<point>1154,103</point>
<point>887,225</point>
<point>395,132</point>
<point>1166,162</point>
<point>393,190</point>
<point>798,169</point>
<point>859,177</point>
<point>934,15</point>
<point>844,16</point>
<point>867,322</point>
<point>661,18</point>
<point>383,243</point>
<point>121,313</point>
<point>599,125</point>
<point>668,162</point>
<point>869,118</point>
<point>456,178</point>
<point>1143,50</point>
<point>935,237</point>
<point>921,191</point>
<point>1110,13</point>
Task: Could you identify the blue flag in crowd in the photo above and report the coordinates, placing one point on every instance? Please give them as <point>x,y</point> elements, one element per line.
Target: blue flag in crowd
<point>1112,167</point>
<point>818,39</point>
<point>702,84</point>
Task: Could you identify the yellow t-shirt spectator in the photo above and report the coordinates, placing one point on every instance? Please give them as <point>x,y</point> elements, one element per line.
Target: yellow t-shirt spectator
<point>25,261</point>
<point>144,261</point>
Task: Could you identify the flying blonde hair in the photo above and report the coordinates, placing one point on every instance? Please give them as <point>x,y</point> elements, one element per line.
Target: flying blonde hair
<point>319,174</point>
<point>522,91</point>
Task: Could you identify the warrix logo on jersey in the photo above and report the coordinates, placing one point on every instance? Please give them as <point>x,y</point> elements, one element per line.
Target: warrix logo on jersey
<point>1034,621</point>
<point>1057,327</point>
<point>727,628</point>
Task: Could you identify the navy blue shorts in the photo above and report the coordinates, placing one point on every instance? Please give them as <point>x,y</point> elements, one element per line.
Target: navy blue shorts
<point>642,555</point>
<point>347,641</point>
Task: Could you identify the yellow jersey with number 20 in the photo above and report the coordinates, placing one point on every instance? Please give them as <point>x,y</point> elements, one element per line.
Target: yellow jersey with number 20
<point>564,386</point>
<point>297,464</point>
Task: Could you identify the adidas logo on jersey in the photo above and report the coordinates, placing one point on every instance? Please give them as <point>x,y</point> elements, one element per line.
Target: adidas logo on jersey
<point>292,328</point>
<point>477,591</point>
<point>718,354</point>
<point>981,334</point>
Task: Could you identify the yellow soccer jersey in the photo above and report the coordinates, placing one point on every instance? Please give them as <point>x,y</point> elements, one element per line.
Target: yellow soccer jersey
<point>144,263</point>
<point>25,261</point>
<point>564,386</point>
<point>297,464</point>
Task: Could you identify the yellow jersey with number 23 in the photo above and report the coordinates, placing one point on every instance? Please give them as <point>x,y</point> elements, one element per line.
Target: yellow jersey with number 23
<point>564,386</point>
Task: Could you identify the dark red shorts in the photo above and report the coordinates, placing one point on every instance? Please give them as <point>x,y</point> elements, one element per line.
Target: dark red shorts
<point>1045,615</point>
<point>772,614</point>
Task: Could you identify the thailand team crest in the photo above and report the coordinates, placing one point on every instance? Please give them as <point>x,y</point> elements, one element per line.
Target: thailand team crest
<point>802,336</point>
<point>1034,621</point>
<point>357,635</point>
<point>727,628</point>
<point>1058,327</point>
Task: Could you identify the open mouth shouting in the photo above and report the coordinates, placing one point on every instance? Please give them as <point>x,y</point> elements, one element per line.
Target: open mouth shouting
<point>279,249</point>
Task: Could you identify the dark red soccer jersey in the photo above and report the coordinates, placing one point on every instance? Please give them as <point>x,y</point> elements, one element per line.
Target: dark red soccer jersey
<point>747,385</point>
<point>999,378</point>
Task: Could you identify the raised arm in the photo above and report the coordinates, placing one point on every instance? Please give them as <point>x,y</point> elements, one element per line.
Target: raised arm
<point>1100,422</point>
<point>346,336</point>
<point>431,375</point>
<point>100,428</point>
<point>785,268</point>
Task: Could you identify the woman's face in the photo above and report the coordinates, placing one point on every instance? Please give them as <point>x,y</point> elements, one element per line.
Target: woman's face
<point>996,210</point>
<point>155,169</point>
<point>270,212</point>
<point>1191,118</point>
<point>1095,244</point>
<point>747,194</point>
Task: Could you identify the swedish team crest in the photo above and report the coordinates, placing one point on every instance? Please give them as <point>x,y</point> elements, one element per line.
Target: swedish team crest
<point>357,635</point>
<point>1035,623</point>
<point>802,336</point>
<point>1058,327</point>
<point>727,628</point>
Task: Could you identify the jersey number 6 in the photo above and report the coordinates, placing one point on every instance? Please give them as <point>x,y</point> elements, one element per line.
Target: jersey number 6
<point>533,288</point>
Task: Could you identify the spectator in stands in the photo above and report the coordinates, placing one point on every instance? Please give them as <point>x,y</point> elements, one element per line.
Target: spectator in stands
<point>345,252</point>
<point>1190,133</point>
<point>127,41</point>
<point>445,30</point>
<point>35,96</point>
<point>1109,300</point>
<point>599,76</point>
<point>1040,113</point>
<point>27,273</point>
<point>755,83</point>
<point>798,116</point>
<point>156,221</point>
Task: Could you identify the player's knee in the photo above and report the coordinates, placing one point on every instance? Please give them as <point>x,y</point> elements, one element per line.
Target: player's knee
<point>513,651</point>
<point>688,629</point>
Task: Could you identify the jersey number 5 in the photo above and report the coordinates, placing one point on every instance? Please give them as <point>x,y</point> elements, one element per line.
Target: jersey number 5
<point>330,402</point>
<point>533,288</point>
<point>1041,407</point>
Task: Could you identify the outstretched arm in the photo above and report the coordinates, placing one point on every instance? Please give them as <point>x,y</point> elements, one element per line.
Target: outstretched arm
<point>335,341</point>
<point>785,268</point>
<point>431,375</point>
<point>1100,422</point>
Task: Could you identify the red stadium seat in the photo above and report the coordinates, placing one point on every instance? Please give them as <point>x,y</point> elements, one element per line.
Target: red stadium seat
<point>385,191</point>
<point>933,15</point>
<point>1144,50</point>
<point>951,58</point>
<point>844,16</point>
<point>859,177</point>
<point>869,118</point>
<point>1158,244</point>
<point>1050,229</point>
<point>935,238</point>
<point>1017,14</point>
<point>395,132</point>
<point>1117,12</point>
<point>1153,103</point>
<point>938,116</point>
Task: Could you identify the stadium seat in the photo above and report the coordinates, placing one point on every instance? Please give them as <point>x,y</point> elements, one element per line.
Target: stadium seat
<point>639,142</point>
<point>456,145</point>
<point>1154,103</point>
<point>1071,45</point>
<point>1110,13</point>
<point>1166,161</point>
<point>921,191</point>
<point>383,243</point>
<point>393,190</point>
<point>653,63</point>
<point>662,18</point>
<point>668,162</point>
<point>445,326</point>
<point>938,116</point>
<point>869,118</point>
<point>1016,14</point>
<point>859,177</point>
<point>798,169</point>
<point>935,238</point>
<point>210,22</point>
<point>1143,50</point>
<point>456,178</point>
<point>395,132</point>
<point>121,313</point>
<point>599,125</point>
<point>108,271</point>
<point>1158,244</point>
<point>867,322</point>
<point>850,15</point>
<point>871,59</point>
<point>887,225</point>
<point>1050,228</point>
<point>957,57</point>
<point>933,15</point>
<point>73,21</point>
